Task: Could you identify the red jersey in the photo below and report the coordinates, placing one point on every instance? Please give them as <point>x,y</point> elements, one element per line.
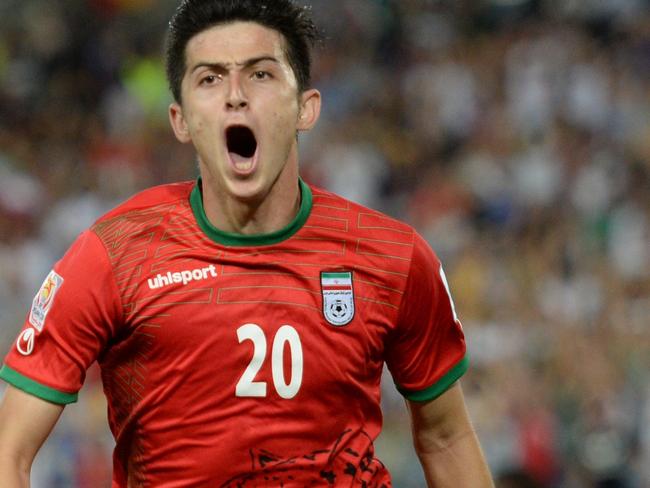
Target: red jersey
<point>242,361</point>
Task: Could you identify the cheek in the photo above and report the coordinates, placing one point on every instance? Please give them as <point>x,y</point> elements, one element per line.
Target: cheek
<point>199,127</point>
<point>285,118</point>
<point>200,118</point>
<point>202,137</point>
<point>283,126</point>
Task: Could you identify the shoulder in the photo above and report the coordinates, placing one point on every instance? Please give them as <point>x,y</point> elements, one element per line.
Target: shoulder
<point>152,200</point>
<point>135,222</point>
<point>362,218</point>
<point>390,250</point>
<point>376,234</point>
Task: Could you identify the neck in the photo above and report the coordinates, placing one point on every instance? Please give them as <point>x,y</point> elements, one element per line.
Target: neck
<point>270,211</point>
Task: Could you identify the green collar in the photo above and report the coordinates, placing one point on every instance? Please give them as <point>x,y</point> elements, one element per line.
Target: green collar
<point>240,240</point>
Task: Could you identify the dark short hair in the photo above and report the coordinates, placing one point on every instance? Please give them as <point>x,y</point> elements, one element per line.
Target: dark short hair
<point>284,16</point>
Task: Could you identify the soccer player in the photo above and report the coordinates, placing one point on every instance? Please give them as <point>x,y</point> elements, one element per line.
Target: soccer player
<point>242,321</point>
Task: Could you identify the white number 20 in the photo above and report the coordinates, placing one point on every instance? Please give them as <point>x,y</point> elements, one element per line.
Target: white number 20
<point>247,386</point>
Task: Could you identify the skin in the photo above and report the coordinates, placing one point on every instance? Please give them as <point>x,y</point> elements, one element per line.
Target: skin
<point>446,443</point>
<point>238,74</point>
<point>25,423</point>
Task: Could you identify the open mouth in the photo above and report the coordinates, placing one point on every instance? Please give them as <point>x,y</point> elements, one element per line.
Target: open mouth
<point>242,146</point>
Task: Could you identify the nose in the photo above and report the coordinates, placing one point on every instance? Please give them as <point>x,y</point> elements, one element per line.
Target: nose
<point>236,98</point>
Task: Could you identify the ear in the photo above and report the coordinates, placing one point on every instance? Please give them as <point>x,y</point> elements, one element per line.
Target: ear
<point>177,120</point>
<point>310,103</point>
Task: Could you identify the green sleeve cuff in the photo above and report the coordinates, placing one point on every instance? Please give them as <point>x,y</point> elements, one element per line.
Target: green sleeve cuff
<point>441,386</point>
<point>33,388</point>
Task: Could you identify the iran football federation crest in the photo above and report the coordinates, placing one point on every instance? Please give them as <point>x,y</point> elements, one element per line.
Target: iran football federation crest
<point>338,297</point>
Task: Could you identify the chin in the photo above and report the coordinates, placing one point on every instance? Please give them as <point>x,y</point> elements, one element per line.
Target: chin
<point>249,190</point>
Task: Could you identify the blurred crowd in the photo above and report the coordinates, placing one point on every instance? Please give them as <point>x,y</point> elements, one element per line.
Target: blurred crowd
<point>514,135</point>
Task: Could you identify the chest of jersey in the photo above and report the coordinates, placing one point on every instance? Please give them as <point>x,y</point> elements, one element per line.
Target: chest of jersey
<point>274,352</point>
<point>282,325</point>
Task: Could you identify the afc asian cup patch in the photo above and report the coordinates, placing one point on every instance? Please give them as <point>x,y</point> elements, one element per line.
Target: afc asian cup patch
<point>338,297</point>
<point>44,299</point>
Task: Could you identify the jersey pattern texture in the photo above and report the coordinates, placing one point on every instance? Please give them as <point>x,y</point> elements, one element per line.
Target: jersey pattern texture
<point>244,361</point>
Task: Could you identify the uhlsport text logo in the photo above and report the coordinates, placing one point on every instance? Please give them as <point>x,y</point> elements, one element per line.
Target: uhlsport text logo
<point>182,277</point>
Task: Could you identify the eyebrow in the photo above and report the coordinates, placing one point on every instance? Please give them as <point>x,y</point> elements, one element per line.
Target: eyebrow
<point>244,64</point>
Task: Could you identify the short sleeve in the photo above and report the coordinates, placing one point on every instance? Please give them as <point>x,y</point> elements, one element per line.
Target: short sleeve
<point>426,352</point>
<point>73,316</point>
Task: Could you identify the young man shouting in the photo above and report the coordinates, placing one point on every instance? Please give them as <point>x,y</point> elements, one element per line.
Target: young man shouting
<point>242,321</point>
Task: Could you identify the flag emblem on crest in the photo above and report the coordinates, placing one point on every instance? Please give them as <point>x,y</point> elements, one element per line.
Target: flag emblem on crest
<point>338,297</point>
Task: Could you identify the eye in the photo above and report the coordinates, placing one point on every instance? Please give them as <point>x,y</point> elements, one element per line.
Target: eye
<point>209,80</point>
<point>261,75</point>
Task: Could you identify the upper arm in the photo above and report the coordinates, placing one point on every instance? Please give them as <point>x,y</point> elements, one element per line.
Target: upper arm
<point>25,423</point>
<point>446,443</point>
<point>437,422</point>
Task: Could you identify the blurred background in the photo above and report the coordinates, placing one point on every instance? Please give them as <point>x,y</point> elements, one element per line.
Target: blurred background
<point>513,134</point>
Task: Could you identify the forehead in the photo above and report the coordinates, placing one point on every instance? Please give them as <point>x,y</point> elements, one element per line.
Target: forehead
<point>234,42</point>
